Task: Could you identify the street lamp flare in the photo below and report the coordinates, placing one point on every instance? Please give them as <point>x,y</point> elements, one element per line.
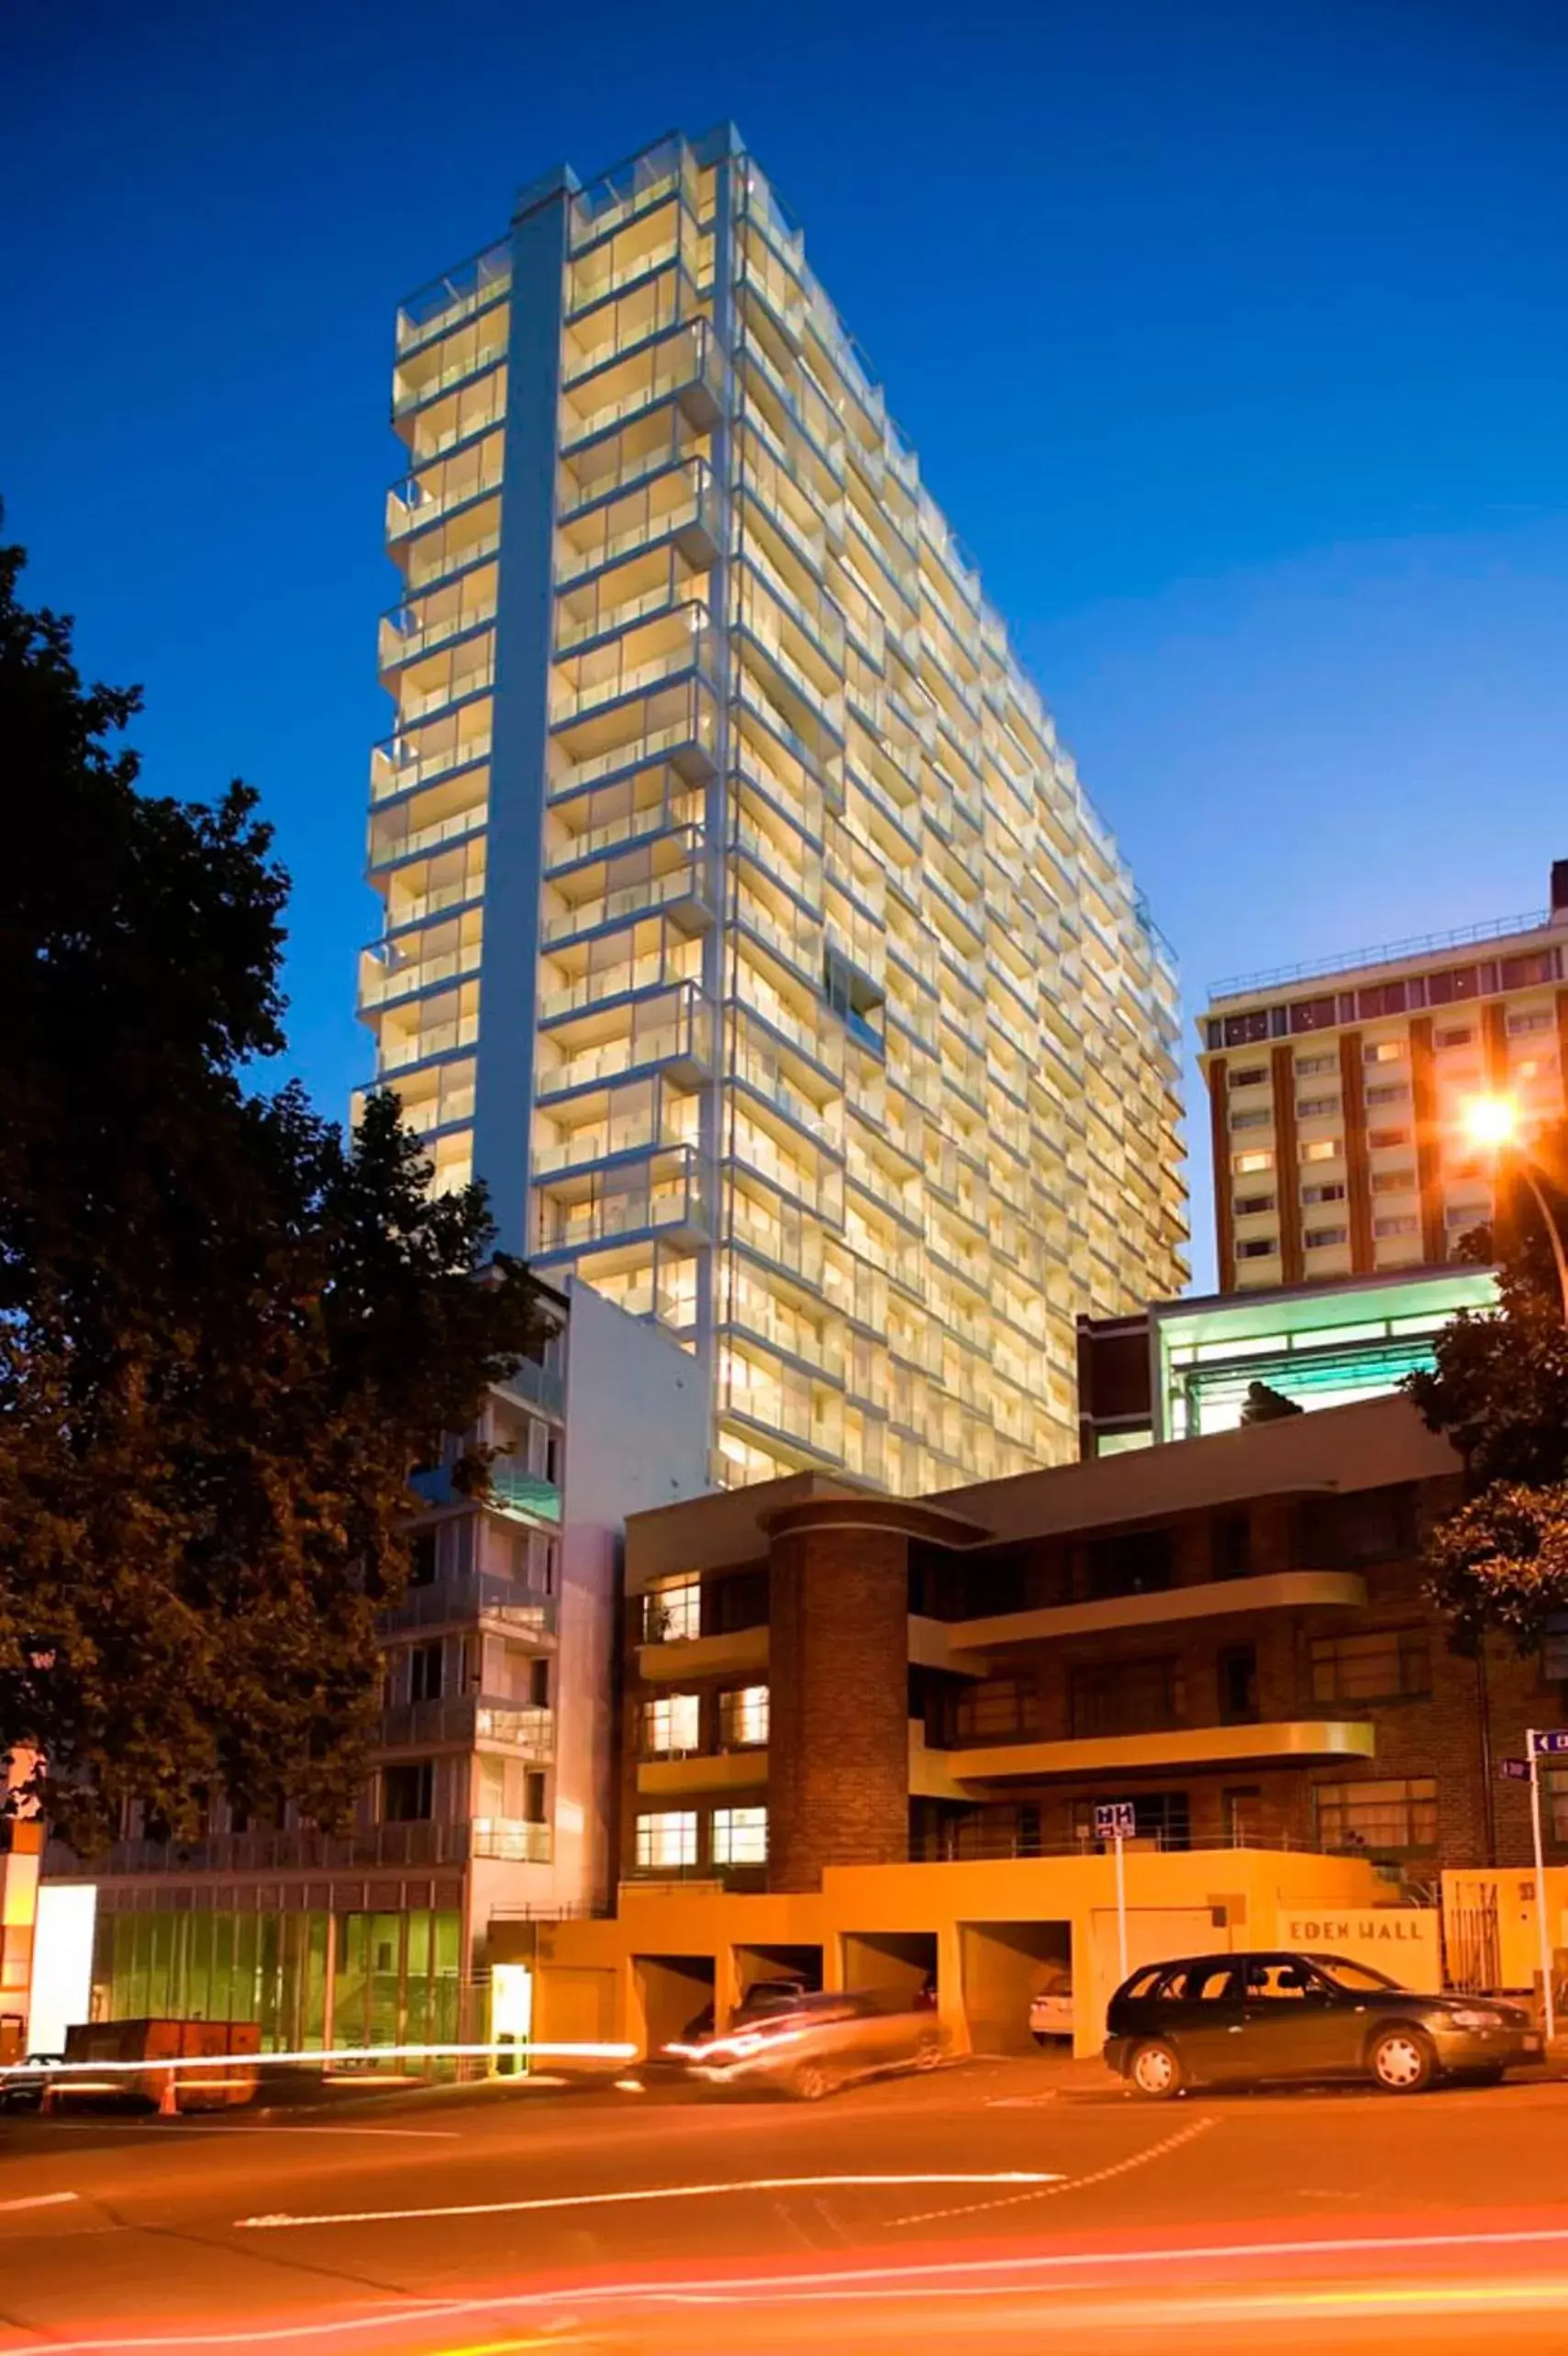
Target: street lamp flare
<point>1492,1120</point>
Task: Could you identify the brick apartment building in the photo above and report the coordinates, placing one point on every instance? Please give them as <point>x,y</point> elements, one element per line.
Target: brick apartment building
<point>1231,1634</point>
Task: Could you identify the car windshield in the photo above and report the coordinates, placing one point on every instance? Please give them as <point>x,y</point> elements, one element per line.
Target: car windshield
<point>1357,1979</point>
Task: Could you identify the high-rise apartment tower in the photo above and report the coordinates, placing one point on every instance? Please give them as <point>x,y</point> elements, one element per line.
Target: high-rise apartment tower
<point>747,928</point>
<point>1339,1095</point>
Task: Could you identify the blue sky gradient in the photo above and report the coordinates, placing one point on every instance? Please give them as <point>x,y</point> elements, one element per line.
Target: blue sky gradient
<point>1234,342</point>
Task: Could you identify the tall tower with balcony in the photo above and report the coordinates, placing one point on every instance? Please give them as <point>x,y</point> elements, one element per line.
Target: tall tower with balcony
<point>747,928</point>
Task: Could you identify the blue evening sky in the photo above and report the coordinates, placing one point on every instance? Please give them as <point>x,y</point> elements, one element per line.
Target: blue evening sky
<point>1234,339</point>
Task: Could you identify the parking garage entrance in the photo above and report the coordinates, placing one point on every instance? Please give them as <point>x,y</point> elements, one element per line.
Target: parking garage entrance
<point>1005,1965</point>
<point>675,1995</point>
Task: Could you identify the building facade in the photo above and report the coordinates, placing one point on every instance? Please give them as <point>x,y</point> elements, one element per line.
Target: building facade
<point>1186,1367</point>
<point>491,1799</point>
<point>747,927</point>
<point>1232,1635</point>
<point>1337,1096</point>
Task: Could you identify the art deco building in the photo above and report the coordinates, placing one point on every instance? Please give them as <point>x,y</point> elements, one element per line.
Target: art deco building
<point>747,928</point>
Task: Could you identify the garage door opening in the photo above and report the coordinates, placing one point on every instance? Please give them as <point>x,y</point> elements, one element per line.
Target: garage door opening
<point>776,1967</point>
<point>903,1962</point>
<point>675,1994</point>
<point>1005,1965</point>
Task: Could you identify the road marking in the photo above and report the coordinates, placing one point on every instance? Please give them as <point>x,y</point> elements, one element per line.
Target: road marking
<point>40,2200</point>
<point>1069,2184</point>
<point>162,2127</point>
<point>649,2193</point>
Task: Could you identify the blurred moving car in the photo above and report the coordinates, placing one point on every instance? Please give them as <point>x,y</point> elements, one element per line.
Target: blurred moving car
<point>1230,2020</point>
<point>819,2043</point>
<point>762,1997</point>
<point>1050,2006</point>
<point>22,2085</point>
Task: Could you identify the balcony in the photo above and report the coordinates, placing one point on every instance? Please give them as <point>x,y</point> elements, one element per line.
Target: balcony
<point>402,762</point>
<point>712,1771</point>
<point>509,1840</point>
<point>683,889</point>
<point>660,1195</point>
<point>679,505</point>
<point>428,824</point>
<point>677,724</point>
<point>423,498</point>
<point>679,640</point>
<point>418,625</point>
<point>389,971</point>
<point>513,1489</point>
<point>439,308</point>
<point>473,1598</point>
<point>734,1652</point>
<point>297,1850</point>
<point>686,367</point>
<point>672,1030</point>
<point>469,1719</point>
<point>1297,1742</point>
<point>1219,1598</point>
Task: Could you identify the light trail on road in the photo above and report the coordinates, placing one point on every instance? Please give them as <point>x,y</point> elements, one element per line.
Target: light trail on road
<point>643,2192</point>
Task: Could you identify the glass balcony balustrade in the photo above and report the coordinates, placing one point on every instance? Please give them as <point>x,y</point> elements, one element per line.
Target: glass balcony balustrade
<point>622,263</point>
<point>646,655</point>
<point>599,338</point>
<point>427,1028</point>
<point>469,408</point>
<point>447,676</point>
<point>418,625</point>
<point>673,871</point>
<point>469,1719</point>
<point>662,1194</point>
<point>443,953</point>
<point>677,504</point>
<point>673,1028</point>
<point>779,1233</point>
<point>751,1308</point>
<point>650,802</point>
<point>444,815</point>
<point>467,540</point>
<point>643,1115</point>
<point>786,856</point>
<point>605,208</point>
<point>686,366</point>
<point>437,308</point>
<point>427,887</point>
<point>656,583</point>
<point>461,356</point>
<point>435,750</point>
<point>423,498</point>
<point>658,955</point>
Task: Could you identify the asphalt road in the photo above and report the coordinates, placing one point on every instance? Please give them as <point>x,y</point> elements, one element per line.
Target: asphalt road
<point>995,2206</point>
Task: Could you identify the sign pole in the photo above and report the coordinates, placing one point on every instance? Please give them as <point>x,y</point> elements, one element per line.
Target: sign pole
<point>1121,1907</point>
<point>1542,1934</point>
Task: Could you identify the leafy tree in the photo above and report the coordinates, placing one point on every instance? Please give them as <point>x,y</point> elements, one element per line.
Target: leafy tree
<point>1499,1390</point>
<point>227,1334</point>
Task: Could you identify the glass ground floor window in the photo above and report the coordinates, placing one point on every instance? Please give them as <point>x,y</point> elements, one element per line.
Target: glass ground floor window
<point>1390,1813</point>
<point>356,1977</point>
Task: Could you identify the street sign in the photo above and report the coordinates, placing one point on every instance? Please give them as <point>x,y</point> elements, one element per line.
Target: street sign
<point>1117,1821</point>
<point>1514,1771</point>
<point>1547,1745</point>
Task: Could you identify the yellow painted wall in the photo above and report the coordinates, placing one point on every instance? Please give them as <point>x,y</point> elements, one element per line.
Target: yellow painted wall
<point>1240,1893</point>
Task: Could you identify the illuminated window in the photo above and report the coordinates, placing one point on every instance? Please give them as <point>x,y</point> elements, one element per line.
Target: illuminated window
<point>671,1724</point>
<point>667,1840</point>
<point>673,1613</point>
<point>1321,1149</point>
<point>1379,1139</point>
<point>740,1836</point>
<point>1392,1181</point>
<point>1383,1050</point>
<point>743,1717</point>
<point>1244,1164</point>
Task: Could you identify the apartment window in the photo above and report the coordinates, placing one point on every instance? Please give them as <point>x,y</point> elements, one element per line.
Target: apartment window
<point>1392,1181</point>
<point>1328,1190</point>
<point>422,1559</point>
<point>1320,1148</point>
<point>425,1673</point>
<point>1554,1784</point>
<point>667,1840</point>
<point>1344,1533</point>
<point>1389,1666</point>
<point>1392,1812</point>
<point>740,1837</point>
<point>1458,1035</point>
<point>671,1724</point>
<point>995,1710</point>
<point>408,1791</point>
<point>1314,1014</point>
<point>1256,1247</point>
<point>1252,1076</point>
<point>1243,1030</point>
<point>1324,1239</point>
<point>1402,1223</point>
<point>1383,1050</point>
<point>539,1682</point>
<point>1229,1546</point>
<point>1249,1206</point>
<point>1132,1562</point>
<point>1311,1108</point>
<point>1124,1696</point>
<point>1316,1067</point>
<point>1246,1165</point>
<point>671,1613</point>
<point>1381,1139</point>
<point>743,1717</point>
<point>1530,1019</point>
<point>1259,1116</point>
<point>1464,1216</point>
<point>533,1796</point>
<point>1393,1092</point>
<point>1237,1680</point>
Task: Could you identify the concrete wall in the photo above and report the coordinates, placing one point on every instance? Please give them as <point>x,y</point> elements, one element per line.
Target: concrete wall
<point>637,1436</point>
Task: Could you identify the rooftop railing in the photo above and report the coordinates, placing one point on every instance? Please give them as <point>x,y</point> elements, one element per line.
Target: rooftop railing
<point>1394,952</point>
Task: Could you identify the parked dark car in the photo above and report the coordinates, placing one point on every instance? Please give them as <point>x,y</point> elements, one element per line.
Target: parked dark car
<point>1230,2020</point>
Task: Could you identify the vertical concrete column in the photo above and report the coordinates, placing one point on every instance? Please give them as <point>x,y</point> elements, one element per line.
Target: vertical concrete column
<point>1357,1172</point>
<point>1219,1130</point>
<point>1287,1166</point>
<point>1428,1158</point>
<point>839,1731</point>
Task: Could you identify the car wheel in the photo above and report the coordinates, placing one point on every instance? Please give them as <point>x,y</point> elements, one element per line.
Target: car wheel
<point>1156,2071</point>
<point>1401,2062</point>
<point>810,2082</point>
<point>929,2053</point>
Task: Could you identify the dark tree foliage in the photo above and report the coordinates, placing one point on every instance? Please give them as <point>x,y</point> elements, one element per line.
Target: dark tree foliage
<point>227,1334</point>
<point>1263,1403</point>
<point>1500,1392</point>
